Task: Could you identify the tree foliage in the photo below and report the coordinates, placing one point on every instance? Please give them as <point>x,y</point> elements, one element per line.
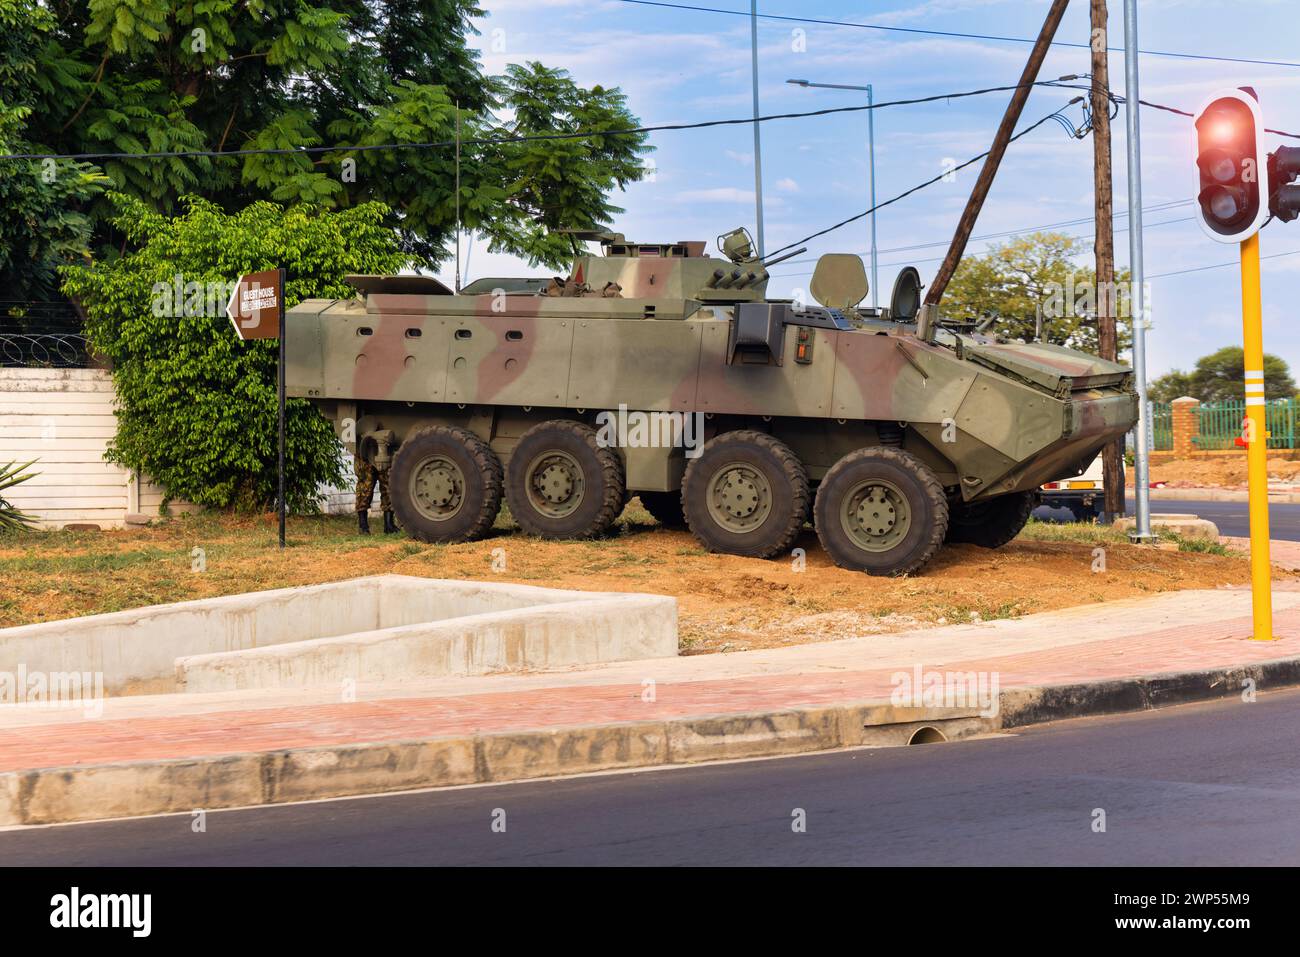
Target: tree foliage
<point>1016,280</point>
<point>1218,377</point>
<point>180,75</point>
<point>44,220</point>
<point>197,407</point>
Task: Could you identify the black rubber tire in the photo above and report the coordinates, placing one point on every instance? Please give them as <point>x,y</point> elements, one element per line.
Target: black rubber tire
<point>664,507</point>
<point>914,480</point>
<point>993,523</point>
<point>483,484</point>
<point>785,475</point>
<point>602,476</point>
<point>1088,514</point>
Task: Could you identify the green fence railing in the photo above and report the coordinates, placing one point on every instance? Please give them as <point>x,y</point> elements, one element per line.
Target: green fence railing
<point>1162,426</point>
<point>1219,425</point>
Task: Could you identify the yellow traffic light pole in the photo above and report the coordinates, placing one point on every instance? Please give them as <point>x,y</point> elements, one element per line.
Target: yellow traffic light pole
<point>1256,440</point>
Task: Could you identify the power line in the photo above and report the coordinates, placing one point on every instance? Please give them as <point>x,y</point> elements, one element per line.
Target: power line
<point>1061,83</point>
<point>935,259</point>
<point>920,186</point>
<point>488,141</point>
<point>1156,208</point>
<point>1235,262</point>
<point>949,33</point>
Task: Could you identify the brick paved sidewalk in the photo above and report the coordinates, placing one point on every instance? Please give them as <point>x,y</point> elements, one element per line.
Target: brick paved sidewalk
<point>1180,631</point>
<point>1283,554</point>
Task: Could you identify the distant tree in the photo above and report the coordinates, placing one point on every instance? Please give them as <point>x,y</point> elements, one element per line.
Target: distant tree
<point>1015,282</point>
<point>1174,384</point>
<point>196,406</point>
<point>1218,377</point>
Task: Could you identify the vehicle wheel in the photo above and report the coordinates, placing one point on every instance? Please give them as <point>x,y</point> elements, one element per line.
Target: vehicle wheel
<point>664,507</point>
<point>746,494</point>
<point>561,483</point>
<point>882,511</point>
<point>445,485</point>
<point>992,523</point>
<point>1088,514</point>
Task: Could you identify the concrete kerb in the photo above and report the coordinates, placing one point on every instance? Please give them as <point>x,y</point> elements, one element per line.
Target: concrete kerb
<point>1019,707</point>
<point>1201,494</point>
<point>96,792</point>
<point>55,795</point>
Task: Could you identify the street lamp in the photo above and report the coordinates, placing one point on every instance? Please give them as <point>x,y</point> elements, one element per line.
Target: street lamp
<point>871,148</point>
<point>758,137</point>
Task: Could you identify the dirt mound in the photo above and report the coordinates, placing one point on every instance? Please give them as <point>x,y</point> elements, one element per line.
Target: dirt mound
<point>726,602</point>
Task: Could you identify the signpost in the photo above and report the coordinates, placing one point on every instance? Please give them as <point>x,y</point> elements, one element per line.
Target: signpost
<point>256,309</point>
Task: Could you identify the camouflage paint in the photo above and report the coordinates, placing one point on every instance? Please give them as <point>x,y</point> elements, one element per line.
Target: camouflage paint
<point>648,327</point>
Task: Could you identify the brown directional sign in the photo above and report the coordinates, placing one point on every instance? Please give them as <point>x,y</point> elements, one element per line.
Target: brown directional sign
<point>254,306</point>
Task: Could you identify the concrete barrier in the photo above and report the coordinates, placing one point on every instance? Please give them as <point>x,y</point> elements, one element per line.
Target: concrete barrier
<point>376,628</point>
<point>1183,525</point>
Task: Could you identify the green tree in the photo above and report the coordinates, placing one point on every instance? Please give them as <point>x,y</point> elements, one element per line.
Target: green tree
<point>179,75</point>
<point>1218,377</point>
<point>197,407</point>
<point>44,221</point>
<point>1174,384</point>
<point>1017,280</point>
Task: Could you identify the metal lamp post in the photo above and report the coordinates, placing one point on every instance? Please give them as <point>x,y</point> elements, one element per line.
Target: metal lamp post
<point>1137,298</point>
<point>871,149</point>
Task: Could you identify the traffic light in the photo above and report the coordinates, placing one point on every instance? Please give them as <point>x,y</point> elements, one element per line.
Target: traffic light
<point>1283,168</point>
<point>1232,202</point>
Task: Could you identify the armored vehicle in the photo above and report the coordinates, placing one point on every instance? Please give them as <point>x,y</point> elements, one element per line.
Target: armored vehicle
<point>660,371</point>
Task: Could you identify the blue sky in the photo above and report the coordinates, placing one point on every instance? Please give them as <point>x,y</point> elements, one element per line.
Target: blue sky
<point>678,65</point>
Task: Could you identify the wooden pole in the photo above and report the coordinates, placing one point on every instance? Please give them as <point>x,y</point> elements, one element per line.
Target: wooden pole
<point>999,147</point>
<point>1112,456</point>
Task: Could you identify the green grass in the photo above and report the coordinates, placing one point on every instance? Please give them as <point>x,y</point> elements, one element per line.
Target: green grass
<point>1200,545</point>
<point>38,564</point>
<point>961,614</point>
<point>1079,533</point>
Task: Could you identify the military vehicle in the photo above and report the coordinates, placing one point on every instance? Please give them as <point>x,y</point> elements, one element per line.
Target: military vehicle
<point>660,371</point>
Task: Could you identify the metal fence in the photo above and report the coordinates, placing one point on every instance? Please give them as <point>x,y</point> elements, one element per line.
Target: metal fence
<point>1162,426</point>
<point>1219,425</point>
<point>42,335</point>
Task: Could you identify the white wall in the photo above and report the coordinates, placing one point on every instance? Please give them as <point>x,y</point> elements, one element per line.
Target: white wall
<point>64,419</point>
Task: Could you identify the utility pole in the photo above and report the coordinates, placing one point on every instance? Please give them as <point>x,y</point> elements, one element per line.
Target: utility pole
<point>758,143</point>
<point>1138,299</point>
<point>1112,456</point>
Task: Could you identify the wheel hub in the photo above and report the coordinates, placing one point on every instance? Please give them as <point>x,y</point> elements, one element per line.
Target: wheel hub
<point>555,484</point>
<point>740,498</point>
<point>875,515</point>
<point>438,487</point>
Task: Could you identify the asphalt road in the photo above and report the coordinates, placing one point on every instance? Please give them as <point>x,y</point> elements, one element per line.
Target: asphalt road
<point>1232,518</point>
<point>1204,784</point>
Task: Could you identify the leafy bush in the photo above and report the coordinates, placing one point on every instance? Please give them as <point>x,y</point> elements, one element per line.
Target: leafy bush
<point>197,407</point>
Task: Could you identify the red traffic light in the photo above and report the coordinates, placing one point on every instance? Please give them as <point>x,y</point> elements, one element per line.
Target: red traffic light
<point>1232,196</point>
